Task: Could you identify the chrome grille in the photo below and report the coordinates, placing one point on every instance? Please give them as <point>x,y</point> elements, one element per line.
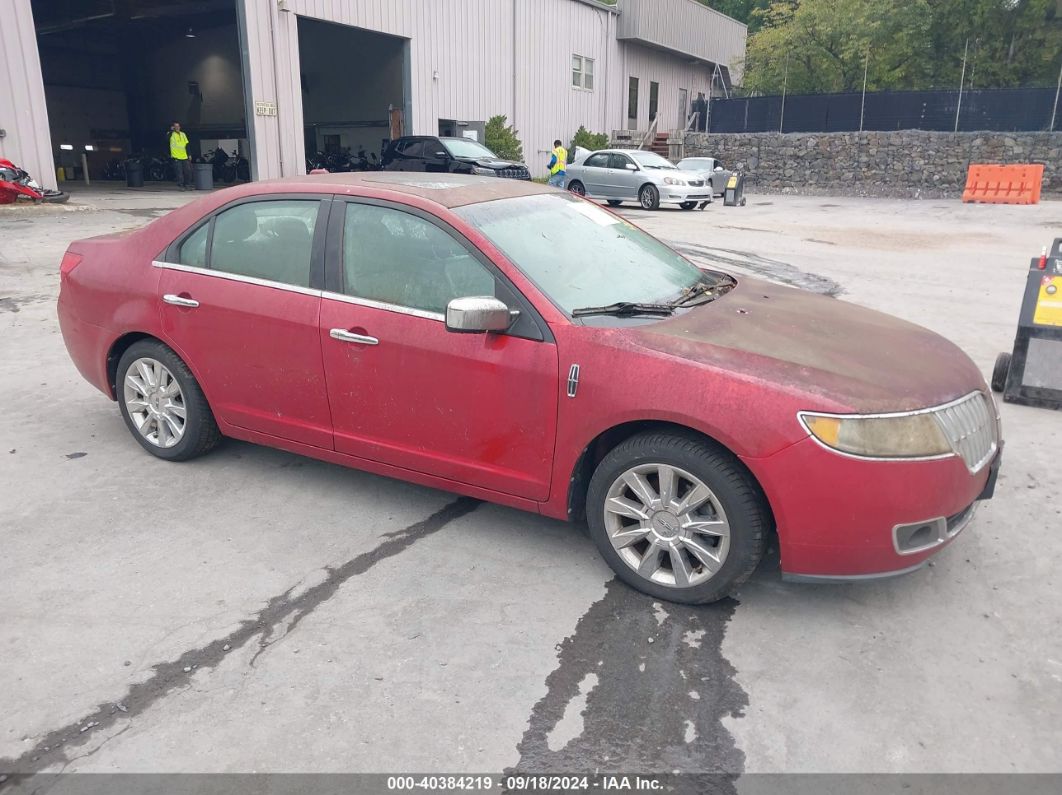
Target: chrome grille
<point>514,173</point>
<point>970,426</point>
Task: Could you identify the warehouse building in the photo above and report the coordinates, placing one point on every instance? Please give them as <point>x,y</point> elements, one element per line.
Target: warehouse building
<point>278,79</point>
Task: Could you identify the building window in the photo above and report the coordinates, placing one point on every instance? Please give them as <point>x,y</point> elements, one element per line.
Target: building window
<point>582,72</point>
<point>632,103</point>
<point>654,95</point>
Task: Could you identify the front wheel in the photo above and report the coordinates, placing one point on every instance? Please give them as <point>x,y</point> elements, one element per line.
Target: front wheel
<point>649,197</point>
<point>162,404</point>
<point>688,205</point>
<point>1000,372</point>
<point>676,517</point>
<point>577,188</point>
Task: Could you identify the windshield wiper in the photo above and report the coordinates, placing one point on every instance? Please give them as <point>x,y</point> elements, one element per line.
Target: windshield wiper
<point>625,309</point>
<point>698,290</point>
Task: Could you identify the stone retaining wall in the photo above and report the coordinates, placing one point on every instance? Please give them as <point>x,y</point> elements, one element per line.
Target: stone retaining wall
<point>911,163</point>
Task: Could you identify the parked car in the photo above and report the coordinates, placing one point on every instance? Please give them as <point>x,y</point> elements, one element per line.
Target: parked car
<point>518,344</point>
<point>449,156</point>
<point>636,175</point>
<point>710,169</point>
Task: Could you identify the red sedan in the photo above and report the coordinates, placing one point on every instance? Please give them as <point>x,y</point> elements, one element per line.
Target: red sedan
<point>518,344</point>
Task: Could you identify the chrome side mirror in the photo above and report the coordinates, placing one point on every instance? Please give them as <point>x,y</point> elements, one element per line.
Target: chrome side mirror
<point>478,315</point>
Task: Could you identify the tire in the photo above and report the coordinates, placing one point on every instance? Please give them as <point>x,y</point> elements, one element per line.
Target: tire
<point>199,433</point>
<point>688,205</point>
<point>614,202</point>
<point>577,188</point>
<point>734,498</point>
<point>649,197</point>
<point>1000,372</point>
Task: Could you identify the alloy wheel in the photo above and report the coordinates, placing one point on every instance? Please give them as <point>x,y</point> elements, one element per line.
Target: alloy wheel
<point>667,525</point>
<point>577,188</point>
<point>155,402</point>
<point>647,197</point>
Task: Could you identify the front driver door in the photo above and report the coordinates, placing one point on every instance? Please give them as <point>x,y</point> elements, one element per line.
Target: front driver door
<point>474,408</point>
<point>240,301</point>
<point>625,178</point>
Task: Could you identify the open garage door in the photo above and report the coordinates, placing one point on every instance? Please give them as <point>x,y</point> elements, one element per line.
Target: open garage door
<point>118,73</point>
<point>350,114</point>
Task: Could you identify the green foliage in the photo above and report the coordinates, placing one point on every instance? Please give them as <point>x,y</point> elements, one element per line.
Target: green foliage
<point>741,10</point>
<point>503,139</point>
<point>588,140</point>
<point>903,44</point>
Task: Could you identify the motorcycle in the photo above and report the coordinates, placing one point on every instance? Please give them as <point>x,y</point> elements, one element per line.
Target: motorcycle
<point>15,184</point>
<point>236,168</point>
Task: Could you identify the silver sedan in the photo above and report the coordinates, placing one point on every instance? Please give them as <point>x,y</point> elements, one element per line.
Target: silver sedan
<point>636,175</point>
<point>710,169</point>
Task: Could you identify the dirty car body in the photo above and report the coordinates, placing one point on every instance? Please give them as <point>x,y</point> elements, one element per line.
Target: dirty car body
<point>435,328</point>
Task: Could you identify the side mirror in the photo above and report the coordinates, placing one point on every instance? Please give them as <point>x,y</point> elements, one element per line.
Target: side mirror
<point>718,168</point>
<point>477,315</point>
<point>631,167</point>
<point>442,155</point>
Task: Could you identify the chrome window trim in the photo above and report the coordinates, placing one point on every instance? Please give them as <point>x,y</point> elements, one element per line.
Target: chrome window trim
<point>236,277</point>
<point>371,304</point>
<point>933,410</point>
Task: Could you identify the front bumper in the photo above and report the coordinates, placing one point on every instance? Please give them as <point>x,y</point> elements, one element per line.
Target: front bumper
<point>842,522</point>
<point>678,195</point>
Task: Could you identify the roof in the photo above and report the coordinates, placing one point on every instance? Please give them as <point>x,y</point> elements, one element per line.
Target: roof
<point>448,190</point>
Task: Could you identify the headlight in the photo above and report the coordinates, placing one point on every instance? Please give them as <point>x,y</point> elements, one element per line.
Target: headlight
<point>674,181</point>
<point>484,172</point>
<point>897,436</point>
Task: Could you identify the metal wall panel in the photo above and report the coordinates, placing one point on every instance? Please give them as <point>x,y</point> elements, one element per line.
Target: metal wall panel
<point>672,73</point>
<point>687,27</point>
<point>23,112</point>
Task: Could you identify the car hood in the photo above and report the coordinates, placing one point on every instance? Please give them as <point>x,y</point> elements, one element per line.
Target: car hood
<point>852,358</point>
<point>490,162</point>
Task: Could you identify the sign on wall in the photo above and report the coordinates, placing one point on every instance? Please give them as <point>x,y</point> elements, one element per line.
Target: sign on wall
<point>265,109</point>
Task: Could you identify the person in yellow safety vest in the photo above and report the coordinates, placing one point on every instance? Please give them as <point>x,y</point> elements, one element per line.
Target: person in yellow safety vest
<point>179,153</point>
<point>557,163</point>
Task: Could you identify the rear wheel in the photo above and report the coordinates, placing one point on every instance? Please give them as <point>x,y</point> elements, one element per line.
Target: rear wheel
<point>614,202</point>
<point>577,188</point>
<point>162,404</point>
<point>1000,372</point>
<point>649,197</point>
<point>688,205</point>
<point>676,517</point>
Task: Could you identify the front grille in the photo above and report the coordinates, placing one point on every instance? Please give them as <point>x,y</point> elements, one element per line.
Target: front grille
<point>514,173</point>
<point>970,426</point>
<point>696,183</point>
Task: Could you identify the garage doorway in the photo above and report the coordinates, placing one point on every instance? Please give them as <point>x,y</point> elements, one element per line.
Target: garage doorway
<point>117,73</point>
<point>348,114</point>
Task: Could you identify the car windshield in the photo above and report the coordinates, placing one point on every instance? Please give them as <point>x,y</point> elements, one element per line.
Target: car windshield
<point>580,255</point>
<point>650,160</point>
<point>466,147</point>
<point>695,163</point>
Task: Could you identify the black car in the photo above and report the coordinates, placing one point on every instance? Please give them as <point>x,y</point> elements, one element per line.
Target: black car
<point>448,156</point>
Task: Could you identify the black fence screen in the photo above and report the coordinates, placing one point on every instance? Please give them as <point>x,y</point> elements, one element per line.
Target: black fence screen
<point>1001,109</point>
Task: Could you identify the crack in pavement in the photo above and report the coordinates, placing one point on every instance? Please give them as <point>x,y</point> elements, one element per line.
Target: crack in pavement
<point>773,269</point>
<point>168,676</point>
<point>661,689</point>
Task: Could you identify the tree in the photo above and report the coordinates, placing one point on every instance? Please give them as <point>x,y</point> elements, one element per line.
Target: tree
<point>503,139</point>
<point>904,44</point>
<point>741,10</point>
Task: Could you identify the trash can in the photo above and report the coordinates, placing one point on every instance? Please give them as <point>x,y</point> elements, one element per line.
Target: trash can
<point>734,195</point>
<point>134,174</point>
<point>204,176</point>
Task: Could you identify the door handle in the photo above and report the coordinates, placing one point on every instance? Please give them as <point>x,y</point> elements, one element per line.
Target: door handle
<point>343,335</point>
<point>177,300</point>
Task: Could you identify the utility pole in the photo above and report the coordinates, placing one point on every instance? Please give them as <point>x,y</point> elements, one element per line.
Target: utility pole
<point>863,103</point>
<point>785,85</point>
<point>1054,110</point>
<point>962,80</point>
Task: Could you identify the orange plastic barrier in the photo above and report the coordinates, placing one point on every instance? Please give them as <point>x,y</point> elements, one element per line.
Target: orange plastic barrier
<point>1004,184</point>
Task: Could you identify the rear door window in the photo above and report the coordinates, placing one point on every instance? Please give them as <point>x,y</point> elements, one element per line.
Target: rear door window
<point>270,240</point>
<point>597,161</point>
